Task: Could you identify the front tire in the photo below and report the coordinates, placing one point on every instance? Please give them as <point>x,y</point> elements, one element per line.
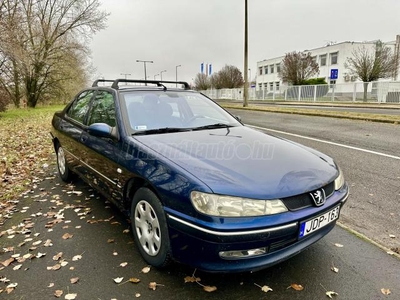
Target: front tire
<point>150,228</point>
<point>62,165</point>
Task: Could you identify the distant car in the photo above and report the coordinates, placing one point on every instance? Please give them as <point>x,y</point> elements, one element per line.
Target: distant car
<point>200,187</point>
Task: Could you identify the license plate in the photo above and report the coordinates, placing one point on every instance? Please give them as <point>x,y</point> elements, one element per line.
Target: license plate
<point>318,222</point>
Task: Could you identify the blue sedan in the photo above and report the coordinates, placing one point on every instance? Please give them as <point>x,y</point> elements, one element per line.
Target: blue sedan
<point>199,187</point>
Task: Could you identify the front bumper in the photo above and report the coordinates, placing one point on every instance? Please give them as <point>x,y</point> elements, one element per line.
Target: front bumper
<point>200,244</point>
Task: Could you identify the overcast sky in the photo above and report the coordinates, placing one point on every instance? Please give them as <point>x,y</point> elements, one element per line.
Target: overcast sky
<point>189,32</point>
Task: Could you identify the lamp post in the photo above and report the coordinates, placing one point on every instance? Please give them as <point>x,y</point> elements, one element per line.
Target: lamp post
<point>162,72</point>
<point>176,73</point>
<point>246,85</point>
<point>144,63</point>
<point>126,74</point>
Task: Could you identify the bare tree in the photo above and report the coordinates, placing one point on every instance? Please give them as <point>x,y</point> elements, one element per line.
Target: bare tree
<point>38,37</point>
<point>296,67</point>
<point>229,77</point>
<point>202,82</point>
<point>370,65</point>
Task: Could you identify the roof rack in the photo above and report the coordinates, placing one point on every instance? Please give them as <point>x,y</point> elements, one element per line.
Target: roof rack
<point>157,82</point>
<point>95,83</point>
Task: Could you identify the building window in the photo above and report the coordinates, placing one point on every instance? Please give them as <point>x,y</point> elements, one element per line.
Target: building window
<point>277,86</point>
<point>266,70</point>
<point>271,68</point>
<point>278,68</point>
<point>271,86</point>
<point>265,85</point>
<point>260,86</point>
<point>322,60</point>
<point>334,58</point>
<point>260,70</point>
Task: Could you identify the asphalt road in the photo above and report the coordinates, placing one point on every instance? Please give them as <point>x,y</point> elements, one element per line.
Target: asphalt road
<point>100,236</point>
<point>379,111</point>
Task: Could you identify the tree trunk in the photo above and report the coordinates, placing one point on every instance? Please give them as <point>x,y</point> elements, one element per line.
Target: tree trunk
<point>365,91</point>
<point>31,92</point>
<point>17,93</point>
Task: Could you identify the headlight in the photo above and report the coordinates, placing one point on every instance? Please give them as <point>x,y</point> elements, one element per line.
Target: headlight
<point>227,206</point>
<point>339,181</point>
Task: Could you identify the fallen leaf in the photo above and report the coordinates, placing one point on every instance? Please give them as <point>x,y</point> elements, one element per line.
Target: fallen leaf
<point>153,286</point>
<point>334,269</point>
<point>67,236</point>
<point>331,293</point>
<point>118,279</point>
<point>57,256</point>
<point>126,231</point>
<point>12,285</point>
<point>39,255</point>
<point>110,241</point>
<point>297,287</point>
<point>58,293</point>
<point>63,263</point>
<point>36,243</point>
<point>392,236</point>
<point>266,289</point>
<point>134,280</point>
<point>137,295</point>
<point>124,264</point>
<point>17,267</point>
<point>74,280</point>
<point>338,245</point>
<point>191,279</point>
<point>146,270</point>
<point>70,296</point>
<point>115,253</point>
<point>51,284</point>
<point>7,261</point>
<point>54,268</point>
<point>385,291</point>
<point>77,257</point>
<point>209,288</point>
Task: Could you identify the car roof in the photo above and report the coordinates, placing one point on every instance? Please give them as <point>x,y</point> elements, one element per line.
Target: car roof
<point>135,84</point>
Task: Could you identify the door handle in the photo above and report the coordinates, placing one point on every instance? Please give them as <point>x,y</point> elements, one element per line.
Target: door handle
<point>84,138</point>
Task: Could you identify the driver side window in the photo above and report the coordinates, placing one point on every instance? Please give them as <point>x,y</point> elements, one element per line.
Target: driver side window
<point>103,109</point>
<point>80,107</point>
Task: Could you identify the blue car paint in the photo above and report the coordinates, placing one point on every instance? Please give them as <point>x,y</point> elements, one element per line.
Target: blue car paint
<point>173,169</point>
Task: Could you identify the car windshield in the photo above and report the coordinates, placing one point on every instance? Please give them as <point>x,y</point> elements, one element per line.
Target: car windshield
<point>149,112</point>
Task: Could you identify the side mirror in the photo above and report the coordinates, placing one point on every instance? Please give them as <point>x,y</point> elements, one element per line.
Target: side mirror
<point>101,130</point>
<point>238,118</point>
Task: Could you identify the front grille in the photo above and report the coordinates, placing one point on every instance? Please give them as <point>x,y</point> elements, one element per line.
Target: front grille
<point>301,201</point>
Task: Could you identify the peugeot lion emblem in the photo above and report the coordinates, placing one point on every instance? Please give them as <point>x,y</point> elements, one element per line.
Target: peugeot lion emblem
<point>319,197</point>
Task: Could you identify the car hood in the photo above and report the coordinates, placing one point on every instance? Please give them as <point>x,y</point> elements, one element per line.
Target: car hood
<point>244,162</point>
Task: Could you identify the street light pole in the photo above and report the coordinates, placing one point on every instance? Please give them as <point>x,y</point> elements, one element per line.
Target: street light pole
<point>176,73</point>
<point>126,74</point>
<point>144,63</point>
<point>246,84</point>
<point>162,72</point>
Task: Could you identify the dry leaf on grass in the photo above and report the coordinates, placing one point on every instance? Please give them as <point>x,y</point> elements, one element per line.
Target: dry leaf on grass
<point>57,256</point>
<point>58,293</point>
<point>110,241</point>
<point>124,264</point>
<point>264,288</point>
<point>54,268</point>
<point>134,280</point>
<point>77,257</point>
<point>338,245</point>
<point>153,285</point>
<point>7,262</point>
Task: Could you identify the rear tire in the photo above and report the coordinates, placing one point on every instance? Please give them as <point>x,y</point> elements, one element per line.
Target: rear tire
<point>62,165</point>
<point>149,227</point>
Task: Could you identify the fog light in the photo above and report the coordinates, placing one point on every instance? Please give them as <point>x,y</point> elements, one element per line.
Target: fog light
<point>242,253</point>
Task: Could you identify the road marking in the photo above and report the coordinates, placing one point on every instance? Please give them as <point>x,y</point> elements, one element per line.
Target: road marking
<point>327,142</point>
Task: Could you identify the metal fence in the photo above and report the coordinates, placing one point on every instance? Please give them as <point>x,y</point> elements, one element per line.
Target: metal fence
<point>380,92</point>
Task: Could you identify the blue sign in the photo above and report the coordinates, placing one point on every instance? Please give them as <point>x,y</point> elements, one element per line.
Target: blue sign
<point>202,68</point>
<point>334,73</point>
<point>209,69</point>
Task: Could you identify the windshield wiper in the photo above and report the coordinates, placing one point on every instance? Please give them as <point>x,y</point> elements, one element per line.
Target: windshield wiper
<point>213,126</point>
<point>161,130</point>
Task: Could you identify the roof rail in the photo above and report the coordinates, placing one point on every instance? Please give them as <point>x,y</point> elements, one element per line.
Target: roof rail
<point>95,83</point>
<point>157,82</point>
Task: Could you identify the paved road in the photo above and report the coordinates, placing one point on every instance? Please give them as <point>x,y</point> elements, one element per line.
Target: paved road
<point>369,156</point>
<point>99,234</point>
<point>379,111</point>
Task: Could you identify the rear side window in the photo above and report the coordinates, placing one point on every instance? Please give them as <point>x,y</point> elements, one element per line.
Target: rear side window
<point>80,107</point>
<point>103,109</point>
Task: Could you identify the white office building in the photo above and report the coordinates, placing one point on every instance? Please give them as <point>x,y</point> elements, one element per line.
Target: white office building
<point>331,60</point>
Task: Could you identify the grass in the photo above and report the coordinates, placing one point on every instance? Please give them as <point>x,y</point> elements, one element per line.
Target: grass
<point>25,148</point>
